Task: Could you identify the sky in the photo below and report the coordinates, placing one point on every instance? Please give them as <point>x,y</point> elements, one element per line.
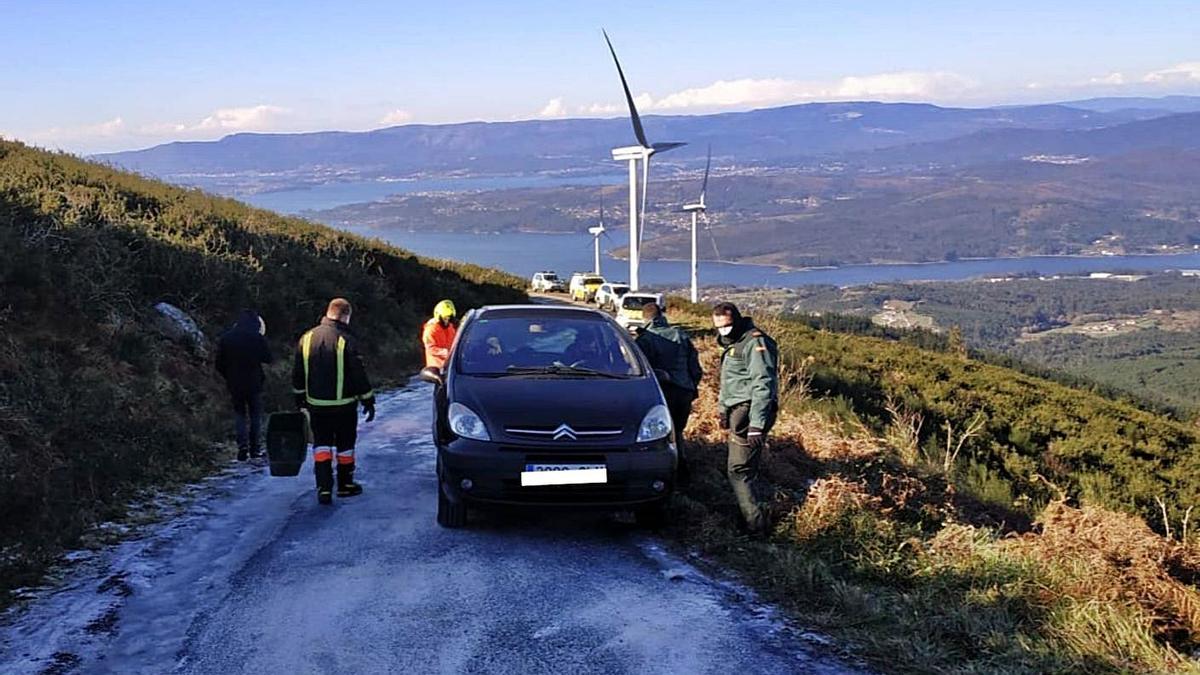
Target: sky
<point>99,76</point>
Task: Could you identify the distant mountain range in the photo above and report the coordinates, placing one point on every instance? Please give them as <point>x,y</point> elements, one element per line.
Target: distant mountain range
<point>798,135</point>
<point>1176,131</point>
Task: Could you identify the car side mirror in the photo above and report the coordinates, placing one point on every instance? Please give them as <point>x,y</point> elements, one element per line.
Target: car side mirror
<point>432,375</point>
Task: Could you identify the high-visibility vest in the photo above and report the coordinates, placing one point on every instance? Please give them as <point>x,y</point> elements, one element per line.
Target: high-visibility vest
<point>328,369</point>
<point>437,340</point>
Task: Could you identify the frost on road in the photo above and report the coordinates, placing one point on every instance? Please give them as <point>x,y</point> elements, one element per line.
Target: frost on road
<point>256,577</point>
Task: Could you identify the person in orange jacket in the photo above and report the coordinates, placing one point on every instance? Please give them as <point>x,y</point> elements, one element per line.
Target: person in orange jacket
<point>438,335</point>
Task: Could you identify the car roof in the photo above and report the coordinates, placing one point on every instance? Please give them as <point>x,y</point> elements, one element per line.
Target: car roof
<point>532,310</point>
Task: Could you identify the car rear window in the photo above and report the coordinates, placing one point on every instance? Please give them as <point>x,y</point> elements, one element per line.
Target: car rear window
<point>490,346</point>
<point>593,280</point>
<point>636,301</point>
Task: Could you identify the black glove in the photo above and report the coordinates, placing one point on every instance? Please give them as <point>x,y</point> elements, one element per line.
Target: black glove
<point>301,401</point>
<point>756,439</point>
<point>723,418</point>
<point>369,408</point>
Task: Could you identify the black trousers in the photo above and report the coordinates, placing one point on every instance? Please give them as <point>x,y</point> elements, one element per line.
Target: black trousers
<point>247,419</point>
<point>679,405</point>
<point>333,428</point>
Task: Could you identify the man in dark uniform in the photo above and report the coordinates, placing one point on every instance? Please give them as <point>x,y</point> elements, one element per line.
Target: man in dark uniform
<point>748,403</point>
<point>669,349</point>
<point>241,353</point>
<point>329,379</point>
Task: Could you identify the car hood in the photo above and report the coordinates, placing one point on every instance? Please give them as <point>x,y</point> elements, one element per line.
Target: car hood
<point>545,403</point>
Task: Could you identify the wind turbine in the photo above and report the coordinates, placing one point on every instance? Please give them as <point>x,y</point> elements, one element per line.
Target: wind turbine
<point>699,209</point>
<point>633,153</point>
<point>596,232</point>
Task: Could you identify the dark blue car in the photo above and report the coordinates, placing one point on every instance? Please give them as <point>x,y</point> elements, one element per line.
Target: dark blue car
<point>550,405</point>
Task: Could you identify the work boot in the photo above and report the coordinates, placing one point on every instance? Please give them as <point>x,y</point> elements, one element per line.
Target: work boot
<point>243,454</point>
<point>324,496</point>
<point>257,453</point>
<point>346,485</point>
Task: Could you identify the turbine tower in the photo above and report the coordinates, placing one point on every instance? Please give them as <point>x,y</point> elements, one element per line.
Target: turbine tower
<point>698,209</point>
<point>596,232</point>
<point>633,154</point>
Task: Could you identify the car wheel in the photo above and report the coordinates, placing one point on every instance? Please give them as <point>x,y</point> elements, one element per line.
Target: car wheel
<point>652,517</point>
<point>450,515</point>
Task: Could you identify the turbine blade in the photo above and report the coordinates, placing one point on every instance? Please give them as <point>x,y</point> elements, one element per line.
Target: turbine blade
<point>711,236</point>
<point>633,113</point>
<point>707,166</point>
<point>602,208</point>
<point>663,147</point>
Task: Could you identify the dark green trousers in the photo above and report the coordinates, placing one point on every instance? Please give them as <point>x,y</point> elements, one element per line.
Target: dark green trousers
<point>742,467</point>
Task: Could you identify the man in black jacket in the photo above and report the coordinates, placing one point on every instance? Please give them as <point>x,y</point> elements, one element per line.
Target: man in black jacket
<point>669,349</point>
<point>329,379</point>
<point>241,353</point>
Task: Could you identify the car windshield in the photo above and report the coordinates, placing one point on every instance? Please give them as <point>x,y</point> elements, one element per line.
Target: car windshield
<point>636,301</point>
<point>588,281</point>
<point>550,277</point>
<point>545,345</point>
<point>620,290</point>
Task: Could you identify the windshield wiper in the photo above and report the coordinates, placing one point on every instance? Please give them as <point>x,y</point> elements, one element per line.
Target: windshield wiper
<point>561,369</point>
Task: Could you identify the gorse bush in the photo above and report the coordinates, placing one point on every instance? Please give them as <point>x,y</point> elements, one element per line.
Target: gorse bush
<point>93,403</point>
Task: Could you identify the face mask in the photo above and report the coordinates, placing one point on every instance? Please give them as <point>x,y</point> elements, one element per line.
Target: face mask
<point>725,330</point>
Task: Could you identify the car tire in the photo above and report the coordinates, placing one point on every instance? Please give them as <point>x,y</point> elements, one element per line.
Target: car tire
<point>449,514</point>
<point>653,516</point>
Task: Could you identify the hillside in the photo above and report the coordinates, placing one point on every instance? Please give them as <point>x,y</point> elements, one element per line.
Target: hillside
<point>95,405</point>
<point>787,134</point>
<point>1134,335</point>
<point>1146,200</point>
<point>1176,132</point>
<point>945,515</point>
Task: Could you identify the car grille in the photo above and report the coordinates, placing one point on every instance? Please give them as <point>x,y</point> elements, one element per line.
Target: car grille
<point>580,434</point>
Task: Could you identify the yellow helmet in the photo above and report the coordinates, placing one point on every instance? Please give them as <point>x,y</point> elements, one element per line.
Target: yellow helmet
<point>445,311</point>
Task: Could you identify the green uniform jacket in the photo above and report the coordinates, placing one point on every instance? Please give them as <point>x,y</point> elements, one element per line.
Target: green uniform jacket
<point>749,373</point>
<point>670,348</point>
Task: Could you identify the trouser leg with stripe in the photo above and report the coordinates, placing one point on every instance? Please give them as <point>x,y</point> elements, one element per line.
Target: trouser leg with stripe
<point>335,431</point>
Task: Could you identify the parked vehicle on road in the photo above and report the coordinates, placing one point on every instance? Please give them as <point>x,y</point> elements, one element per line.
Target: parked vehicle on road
<point>630,312</point>
<point>547,282</point>
<point>609,294</point>
<point>551,406</point>
<point>584,286</point>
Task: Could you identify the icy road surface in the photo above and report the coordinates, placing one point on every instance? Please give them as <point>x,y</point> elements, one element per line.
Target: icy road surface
<point>255,577</point>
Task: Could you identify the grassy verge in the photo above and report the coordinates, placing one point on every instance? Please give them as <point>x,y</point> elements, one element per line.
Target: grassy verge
<point>924,565</point>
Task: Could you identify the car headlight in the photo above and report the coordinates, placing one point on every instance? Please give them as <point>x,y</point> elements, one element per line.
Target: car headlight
<point>655,425</point>
<point>464,422</point>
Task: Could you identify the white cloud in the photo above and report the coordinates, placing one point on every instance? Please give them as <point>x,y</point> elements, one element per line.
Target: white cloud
<point>54,135</point>
<point>1181,73</point>
<point>258,117</point>
<point>250,118</point>
<point>601,109</point>
<point>554,108</point>
<point>1112,79</point>
<point>774,91</point>
<point>396,117</point>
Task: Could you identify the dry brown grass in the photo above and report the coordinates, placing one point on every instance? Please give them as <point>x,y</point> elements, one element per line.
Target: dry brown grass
<point>888,555</point>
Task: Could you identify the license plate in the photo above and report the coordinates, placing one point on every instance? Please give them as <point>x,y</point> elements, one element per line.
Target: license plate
<point>563,474</point>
